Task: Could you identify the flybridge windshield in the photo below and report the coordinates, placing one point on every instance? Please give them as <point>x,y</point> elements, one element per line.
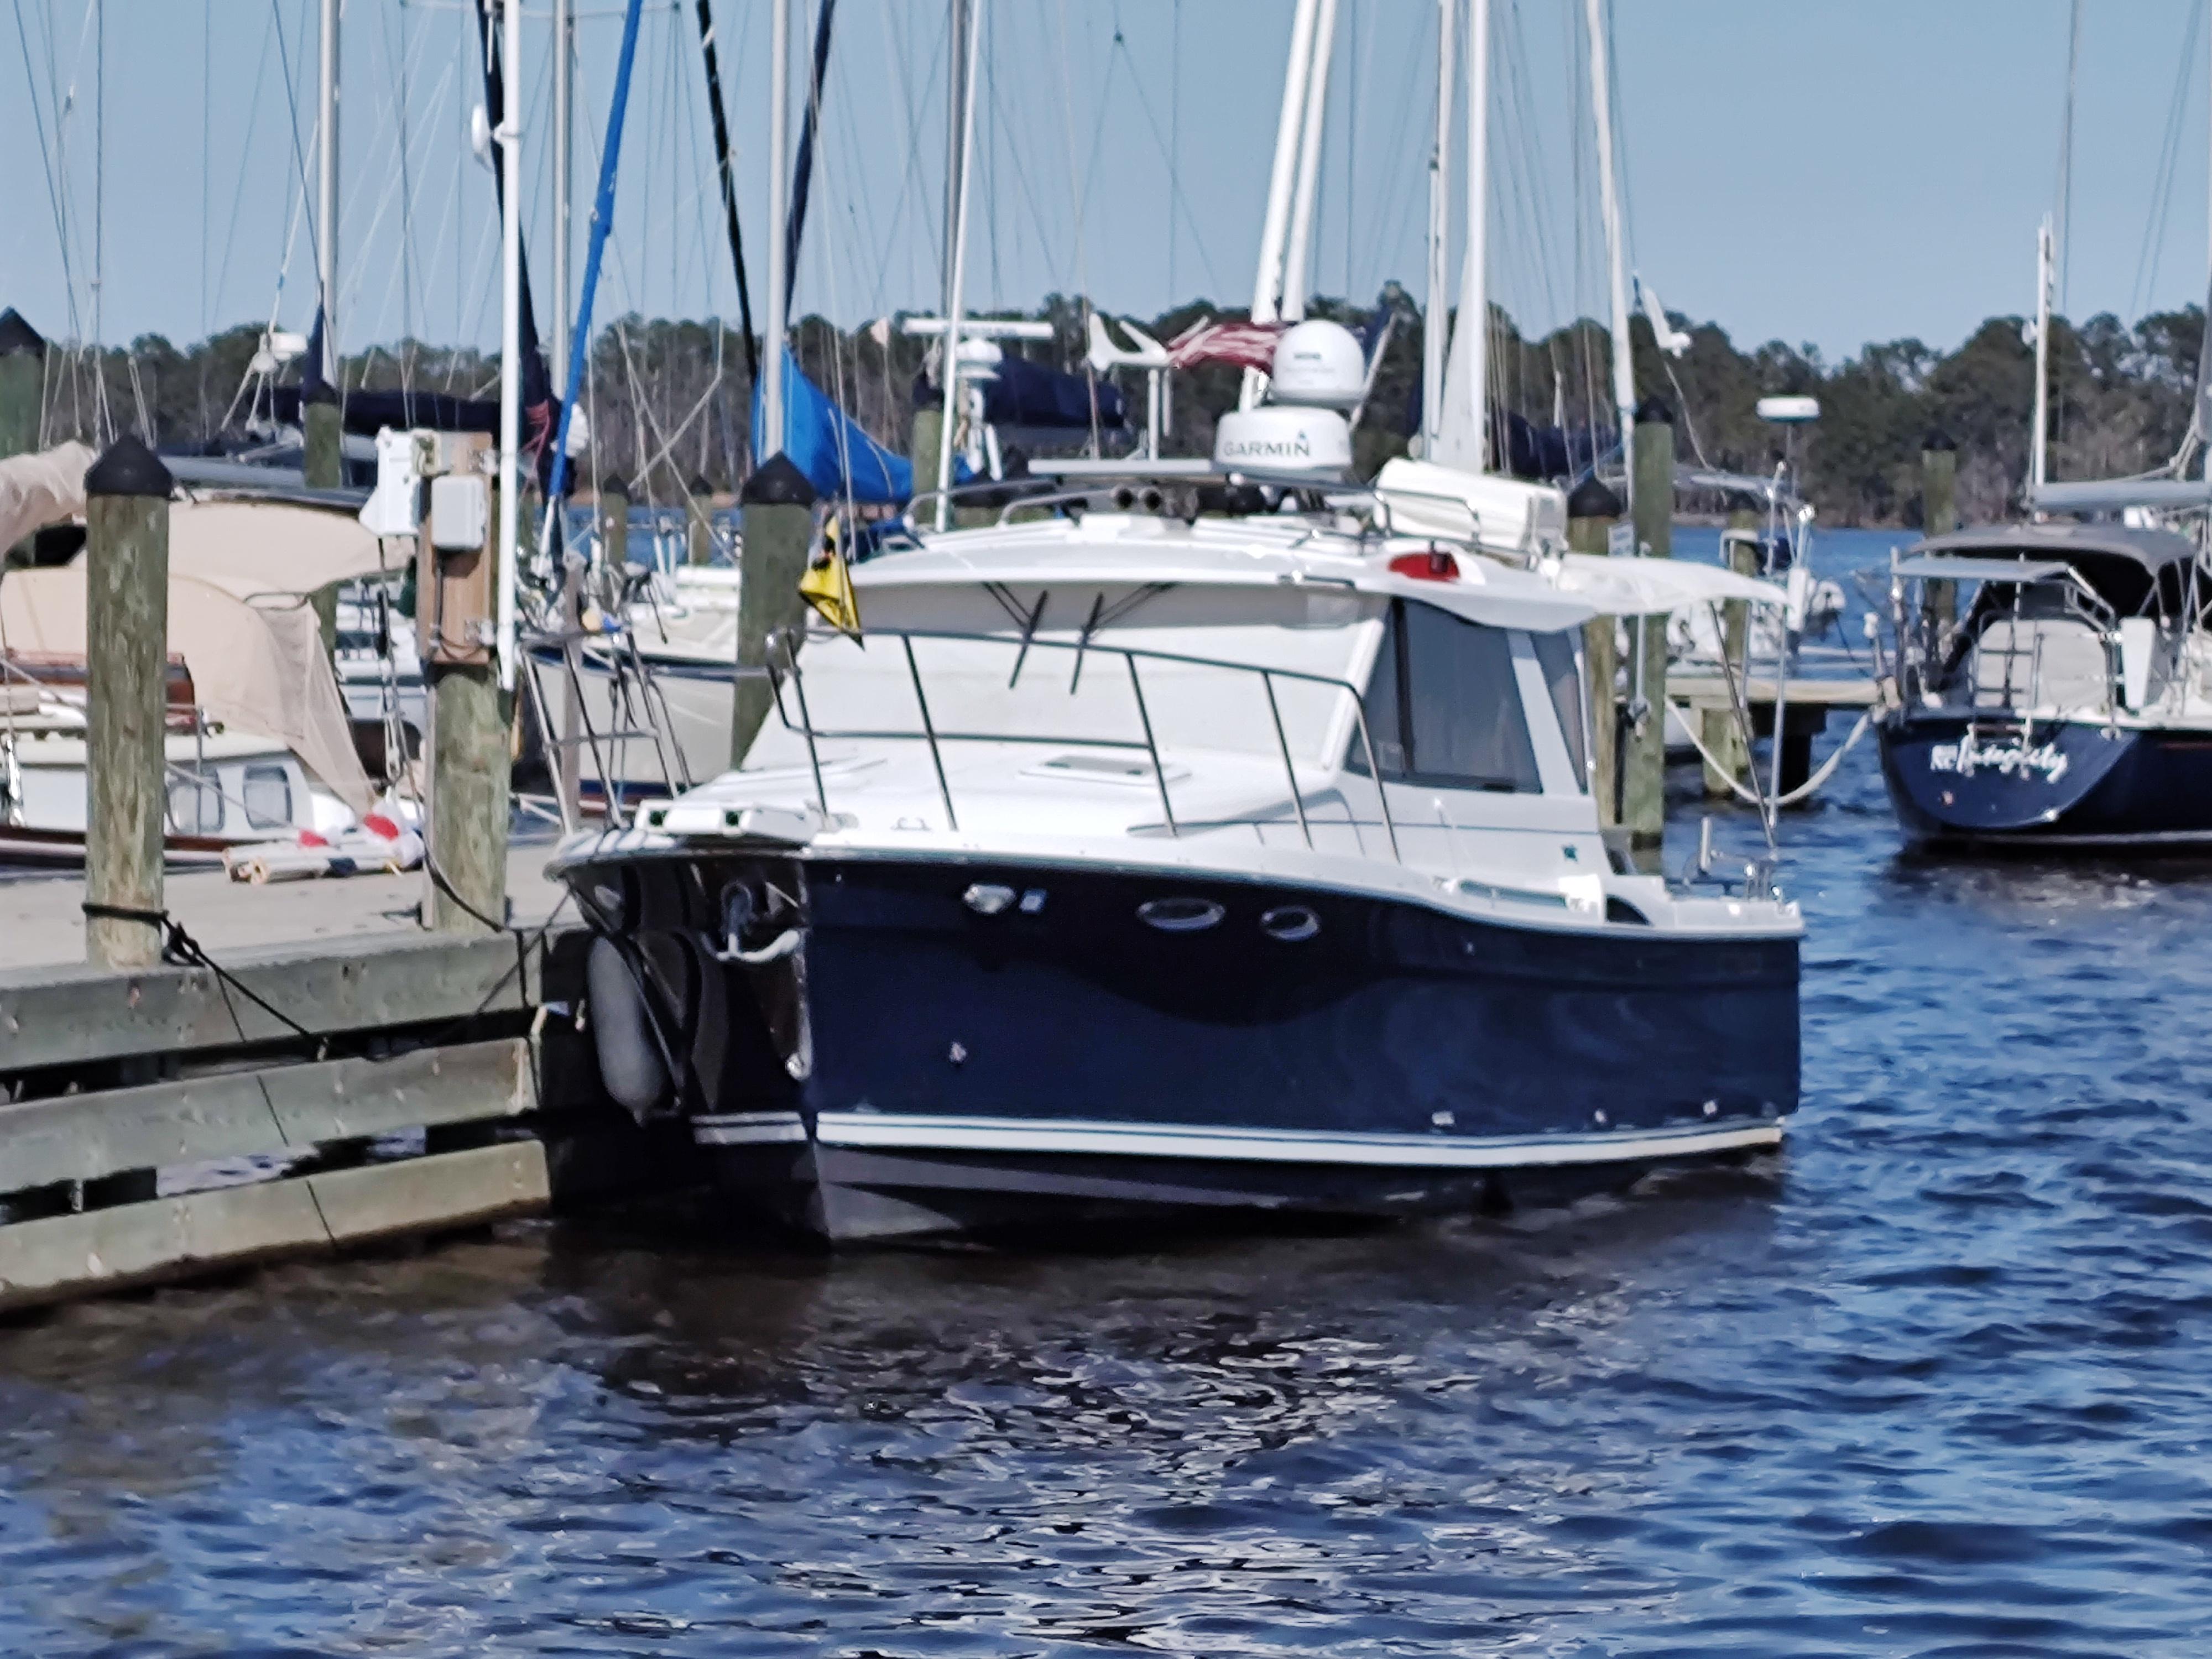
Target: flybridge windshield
<point>1032,663</point>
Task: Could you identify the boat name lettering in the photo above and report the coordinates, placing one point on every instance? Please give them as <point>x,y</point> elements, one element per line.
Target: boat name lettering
<point>2015,759</point>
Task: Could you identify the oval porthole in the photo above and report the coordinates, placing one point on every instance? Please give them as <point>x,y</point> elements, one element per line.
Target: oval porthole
<point>1290,923</point>
<point>1179,915</point>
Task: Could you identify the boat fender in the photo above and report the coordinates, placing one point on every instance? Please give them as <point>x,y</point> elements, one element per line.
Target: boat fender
<point>631,1065</point>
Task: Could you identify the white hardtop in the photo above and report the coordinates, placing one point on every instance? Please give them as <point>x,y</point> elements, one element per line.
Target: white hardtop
<point>1260,551</point>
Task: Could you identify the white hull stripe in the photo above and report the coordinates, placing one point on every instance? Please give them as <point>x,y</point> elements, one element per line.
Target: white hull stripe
<point>748,1129</point>
<point>1003,1134</point>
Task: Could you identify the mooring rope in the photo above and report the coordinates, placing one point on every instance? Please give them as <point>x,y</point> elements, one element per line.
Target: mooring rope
<point>1749,797</point>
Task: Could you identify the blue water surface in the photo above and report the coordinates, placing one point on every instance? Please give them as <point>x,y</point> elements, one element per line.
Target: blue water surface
<point>1933,1382</point>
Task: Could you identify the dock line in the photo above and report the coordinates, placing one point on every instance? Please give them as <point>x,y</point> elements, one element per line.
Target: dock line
<point>1827,766</point>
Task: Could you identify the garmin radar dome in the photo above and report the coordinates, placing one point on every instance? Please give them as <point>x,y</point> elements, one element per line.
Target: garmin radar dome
<point>1299,435</point>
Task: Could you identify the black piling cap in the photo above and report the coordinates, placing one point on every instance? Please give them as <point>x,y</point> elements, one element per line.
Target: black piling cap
<point>779,483</point>
<point>18,337</point>
<point>614,484</point>
<point>701,488</point>
<point>1653,412</point>
<point>129,468</point>
<point>1591,499</point>
<point>1938,441</point>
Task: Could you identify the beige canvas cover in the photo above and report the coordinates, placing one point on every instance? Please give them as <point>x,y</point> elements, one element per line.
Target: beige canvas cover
<point>256,666</point>
<point>37,490</point>
<point>255,547</point>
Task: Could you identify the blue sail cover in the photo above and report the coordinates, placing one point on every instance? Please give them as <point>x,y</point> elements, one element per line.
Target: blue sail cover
<point>838,458</point>
<point>1024,393</point>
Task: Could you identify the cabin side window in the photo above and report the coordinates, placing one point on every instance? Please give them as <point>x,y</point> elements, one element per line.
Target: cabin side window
<point>1443,707</point>
<point>1563,676</point>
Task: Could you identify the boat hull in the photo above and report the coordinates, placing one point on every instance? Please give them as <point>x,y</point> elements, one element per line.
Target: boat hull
<point>1153,1042</point>
<point>2000,780</point>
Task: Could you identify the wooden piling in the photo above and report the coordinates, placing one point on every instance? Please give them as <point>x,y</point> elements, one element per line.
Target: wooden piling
<point>322,464</point>
<point>925,437</point>
<point>470,783</point>
<point>779,517</point>
<point>1592,510</point>
<point>699,526</point>
<point>22,383</point>
<point>22,387</point>
<point>127,697</point>
<point>1644,774</point>
<point>613,514</point>
<point>1939,516</point>
<point>1721,730</point>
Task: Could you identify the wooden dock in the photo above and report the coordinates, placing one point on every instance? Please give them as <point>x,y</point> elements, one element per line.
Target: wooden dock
<point>159,1122</point>
<point>1711,691</point>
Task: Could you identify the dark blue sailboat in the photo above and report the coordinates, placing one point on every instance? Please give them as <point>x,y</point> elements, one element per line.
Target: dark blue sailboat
<point>2065,706</point>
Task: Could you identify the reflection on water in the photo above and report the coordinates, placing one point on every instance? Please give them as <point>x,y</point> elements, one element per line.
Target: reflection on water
<point>1934,1383</point>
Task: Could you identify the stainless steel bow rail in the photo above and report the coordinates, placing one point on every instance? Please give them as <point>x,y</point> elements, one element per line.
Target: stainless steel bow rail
<point>786,642</point>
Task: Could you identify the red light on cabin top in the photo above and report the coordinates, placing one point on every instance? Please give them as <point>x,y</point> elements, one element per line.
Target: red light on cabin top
<point>1434,566</point>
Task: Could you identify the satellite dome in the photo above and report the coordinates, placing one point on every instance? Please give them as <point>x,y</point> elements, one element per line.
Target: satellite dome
<point>1319,364</point>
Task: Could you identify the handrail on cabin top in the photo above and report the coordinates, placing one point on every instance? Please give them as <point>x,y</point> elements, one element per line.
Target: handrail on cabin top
<point>790,639</point>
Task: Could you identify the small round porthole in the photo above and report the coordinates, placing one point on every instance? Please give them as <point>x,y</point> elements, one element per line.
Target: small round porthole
<point>1290,923</point>
<point>1179,915</point>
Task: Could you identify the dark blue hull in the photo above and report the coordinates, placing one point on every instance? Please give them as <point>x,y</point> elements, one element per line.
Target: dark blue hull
<point>1996,780</point>
<point>920,1067</point>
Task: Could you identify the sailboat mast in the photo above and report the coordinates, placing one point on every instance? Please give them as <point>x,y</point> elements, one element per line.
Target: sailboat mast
<point>1298,259</point>
<point>1463,411</point>
<point>1475,279</point>
<point>770,442</point>
<point>2037,437</point>
<point>1624,366</point>
<point>326,188</point>
<point>956,81</point>
<point>1436,320</point>
<point>510,331</point>
<point>564,114</point>
<point>1267,285</point>
<point>956,296</point>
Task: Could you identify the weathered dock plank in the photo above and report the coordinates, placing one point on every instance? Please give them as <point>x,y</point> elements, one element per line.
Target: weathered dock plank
<point>64,1256</point>
<point>41,922</point>
<point>50,1016</point>
<point>85,1137</point>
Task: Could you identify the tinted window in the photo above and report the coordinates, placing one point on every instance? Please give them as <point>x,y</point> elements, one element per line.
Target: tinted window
<point>1443,705</point>
<point>1467,726</point>
<point>1384,725</point>
<point>1563,675</point>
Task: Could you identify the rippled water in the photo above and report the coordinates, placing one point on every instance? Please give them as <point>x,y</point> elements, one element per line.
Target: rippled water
<point>1935,1383</point>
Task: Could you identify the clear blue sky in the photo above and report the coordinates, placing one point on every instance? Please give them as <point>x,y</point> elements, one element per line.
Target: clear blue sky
<point>1824,171</point>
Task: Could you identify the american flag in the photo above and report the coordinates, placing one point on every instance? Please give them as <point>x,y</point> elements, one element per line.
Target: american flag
<point>1239,344</point>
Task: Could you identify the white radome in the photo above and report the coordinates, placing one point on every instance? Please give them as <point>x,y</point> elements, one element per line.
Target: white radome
<point>1318,364</point>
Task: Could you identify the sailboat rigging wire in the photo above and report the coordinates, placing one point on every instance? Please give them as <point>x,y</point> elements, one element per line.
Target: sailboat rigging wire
<point>802,183</point>
<point>603,208</point>
<point>725,171</point>
<point>46,166</point>
<point>2187,72</point>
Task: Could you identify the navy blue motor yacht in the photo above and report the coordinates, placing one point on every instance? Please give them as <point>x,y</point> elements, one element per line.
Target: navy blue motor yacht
<point>1124,865</point>
<point>2050,689</point>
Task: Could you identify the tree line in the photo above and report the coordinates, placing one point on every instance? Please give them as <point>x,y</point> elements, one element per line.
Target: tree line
<point>670,401</point>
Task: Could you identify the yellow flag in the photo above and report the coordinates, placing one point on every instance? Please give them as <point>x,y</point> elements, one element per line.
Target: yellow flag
<point>827,586</point>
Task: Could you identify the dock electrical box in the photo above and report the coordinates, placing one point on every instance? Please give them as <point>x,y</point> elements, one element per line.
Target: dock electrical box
<point>454,607</point>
